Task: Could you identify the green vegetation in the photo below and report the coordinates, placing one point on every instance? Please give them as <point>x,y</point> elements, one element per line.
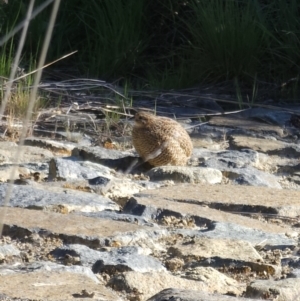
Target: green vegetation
<point>228,39</point>
<point>18,98</point>
<point>170,44</point>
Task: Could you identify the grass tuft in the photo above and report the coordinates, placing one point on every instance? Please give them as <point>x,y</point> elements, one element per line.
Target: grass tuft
<point>172,44</point>
<point>108,34</point>
<point>228,39</point>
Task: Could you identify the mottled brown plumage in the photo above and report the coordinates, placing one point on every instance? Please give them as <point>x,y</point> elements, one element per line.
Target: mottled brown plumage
<point>161,140</point>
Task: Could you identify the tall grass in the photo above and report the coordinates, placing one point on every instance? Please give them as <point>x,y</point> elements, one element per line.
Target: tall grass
<point>228,39</point>
<point>285,49</point>
<point>108,35</point>
<point>6,59</point>
<point>175,43</point>
<point>247,42</point>
<point>8,19</point>
<point>15,94</point>
<point>165,66</point>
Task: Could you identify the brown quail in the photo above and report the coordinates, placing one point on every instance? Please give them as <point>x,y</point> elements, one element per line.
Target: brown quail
<point>161,140</point>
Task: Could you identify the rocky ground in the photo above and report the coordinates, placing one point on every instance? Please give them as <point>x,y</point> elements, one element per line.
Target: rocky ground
<point>81,224</point>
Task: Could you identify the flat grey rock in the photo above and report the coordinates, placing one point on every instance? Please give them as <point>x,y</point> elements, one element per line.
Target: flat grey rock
<point>122,236</point>
<point>292,261</point>
<point>7,269</point>
<point>238,232</point>
<point>117,259</point>
<point>93,232</point>
<point>205,247</point>
<point>71,168</point>
<point>149,184</point>
<point>238,167</point>
<point>213,223</point>
<point>232,198</point>
<point>8,250</point>
<point>270,147</point>
<point>296,177</point>
<point>222,284</point>
<point>9,151</point>
<point>172,294</point>
<point>59,147</point>
<point>251,176</point>
<point>120,189</point>
<point>146,285</point>
<point>281,290</point>
<point>49,266</point>
<point>277,117</point>
<point>253,236</point>
<point>227,158</point>
<point>185,174</point>
<point>119,216</point>
<point>38,198</point>
<point>220,252</point>
<point>295,273</point>
<point>56,285</point>
<point>248,126</point>
<point>8,171</point>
